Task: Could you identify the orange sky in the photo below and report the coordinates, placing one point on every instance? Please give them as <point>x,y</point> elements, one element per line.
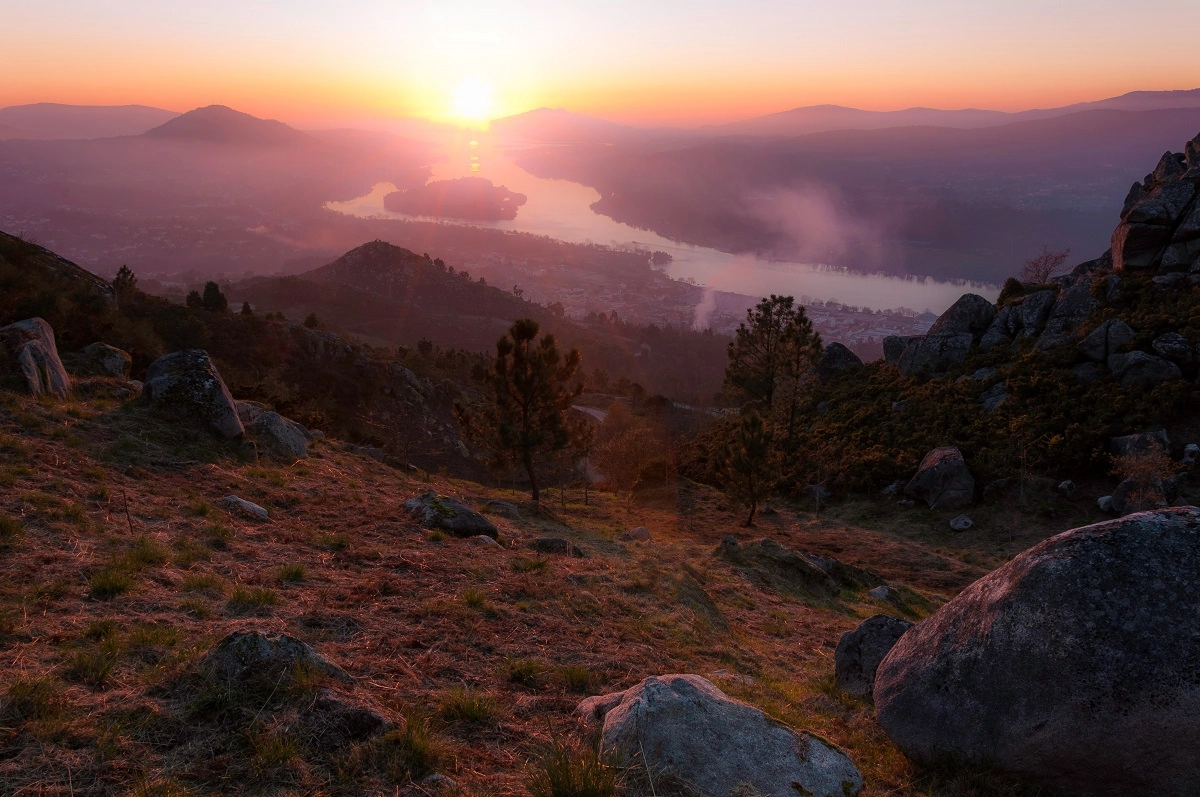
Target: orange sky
<point>673,62</point>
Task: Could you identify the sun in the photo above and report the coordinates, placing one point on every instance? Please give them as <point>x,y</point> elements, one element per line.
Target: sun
<point>472,100</point>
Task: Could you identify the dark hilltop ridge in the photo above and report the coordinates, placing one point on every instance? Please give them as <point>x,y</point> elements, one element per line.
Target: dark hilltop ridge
<point>245,554</point>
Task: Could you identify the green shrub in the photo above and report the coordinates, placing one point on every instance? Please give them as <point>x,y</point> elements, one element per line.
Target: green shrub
<point>110,582</point>
<point>245,600</point>
<point>468,706</point>
<point>526,672</point>
<point>576,678</point>
<point>571,770</point>
<point>31,699</point>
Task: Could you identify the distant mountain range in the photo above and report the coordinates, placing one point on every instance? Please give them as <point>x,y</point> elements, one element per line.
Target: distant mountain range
<point>824,118</point>
<point>48,120</point>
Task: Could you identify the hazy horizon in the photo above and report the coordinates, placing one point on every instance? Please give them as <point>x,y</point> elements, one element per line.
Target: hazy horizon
<point>668,64</point>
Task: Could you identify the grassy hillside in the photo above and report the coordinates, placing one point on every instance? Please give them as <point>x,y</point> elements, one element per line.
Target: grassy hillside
<point>115,578</point>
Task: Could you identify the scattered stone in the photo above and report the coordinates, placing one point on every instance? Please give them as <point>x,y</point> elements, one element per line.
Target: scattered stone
<point>280,437</point>
<point>961,523</point>
<point>1191,454</point>
<point>860,651</point>
<point>439,782</point>
<point>942,480</point>
<point>1068,666</point>
<point>443,512</point>
<point>767,560</point>
<point>188,383</point>
<point>682,726</point>
<point>894,488</point>
<point>244,507</point>
<point>1066,488</point>
<point>906,503</point>
<point>1105,503</point>
<point>556,545</point>
<point>29,354</point>
<point>1139,368</point>
<point>374,452</point>
<point>640,534</point>
<point>900,406</point>
<point>483,541</point>
<point>732,677</point>
<point>1134,496</point>
<point>884,593</point>
<point>100,359</point>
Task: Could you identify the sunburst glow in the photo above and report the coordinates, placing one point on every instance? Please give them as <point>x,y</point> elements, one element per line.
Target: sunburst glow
<point>472,100</point>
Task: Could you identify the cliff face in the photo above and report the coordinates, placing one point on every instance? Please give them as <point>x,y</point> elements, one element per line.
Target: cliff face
<point>1160,223</point>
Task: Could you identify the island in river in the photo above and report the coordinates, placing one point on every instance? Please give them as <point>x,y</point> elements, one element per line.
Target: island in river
<point>465,198</point>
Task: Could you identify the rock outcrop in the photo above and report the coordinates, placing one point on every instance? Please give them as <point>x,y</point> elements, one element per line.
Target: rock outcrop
<point>443,512</point>
<point>1106,340</point>
<point>1074,665</point>
<point>1160,225</point>
<point>1140,368</point>
<point>187,382</point>
<point>683,727</point>
<point>1023,318</point>
<point>29,358</point>
<point>950,338</point>
<point>860,651</point>
<point>942,480</point>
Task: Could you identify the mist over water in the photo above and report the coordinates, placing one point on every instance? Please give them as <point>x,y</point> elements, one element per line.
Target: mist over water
<point>562,209</point>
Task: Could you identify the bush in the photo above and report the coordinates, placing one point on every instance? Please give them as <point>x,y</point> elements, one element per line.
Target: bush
<point>468,706</point>
<point>571,770</point>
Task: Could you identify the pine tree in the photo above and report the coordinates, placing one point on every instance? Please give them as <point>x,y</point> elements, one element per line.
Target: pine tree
<point>529,392</point>
<point>213,299</point>
<point>749,460</point>
<point>124,285</point>
<point>775,343</point>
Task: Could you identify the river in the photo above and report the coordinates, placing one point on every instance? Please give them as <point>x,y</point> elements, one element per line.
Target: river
<point>561,209</point>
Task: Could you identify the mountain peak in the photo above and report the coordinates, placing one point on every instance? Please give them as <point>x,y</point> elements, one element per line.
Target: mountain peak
<point>220,124</point>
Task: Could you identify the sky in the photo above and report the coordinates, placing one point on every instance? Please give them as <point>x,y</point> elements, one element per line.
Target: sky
<point>682,62</point>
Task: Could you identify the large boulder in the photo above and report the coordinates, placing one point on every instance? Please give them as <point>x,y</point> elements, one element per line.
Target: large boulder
<point>835,359</point>
<point>29,356</point>
<point>1106,340</point>
<point>1174,347</point>
<point>1074,665</point>
<point>942,480</point>
<point>443,512</point>
<point>254,655</point>
<point>188,382</point>
<point>860,651</point>
<point>100,359</point>
<point>279,437</point>
<point>683,727</point>
<point>1140,368</point>
<point>971,313</point>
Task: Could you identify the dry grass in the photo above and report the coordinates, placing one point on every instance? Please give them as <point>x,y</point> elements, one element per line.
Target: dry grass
<point>117,571</point>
